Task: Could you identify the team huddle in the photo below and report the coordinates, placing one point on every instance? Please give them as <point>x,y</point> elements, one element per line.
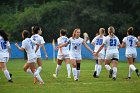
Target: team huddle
<point>69,50</point>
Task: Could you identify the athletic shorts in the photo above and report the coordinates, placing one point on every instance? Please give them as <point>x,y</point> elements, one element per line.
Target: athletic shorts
<point>134,55</point>
<point>4,59</point>
<point>32,60</point>
<point>75,56</point>
<point>111,56</point>
<point>101,56</point>
<point>60,57</point>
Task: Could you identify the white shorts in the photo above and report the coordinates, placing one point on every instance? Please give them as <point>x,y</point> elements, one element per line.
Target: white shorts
<point>38,56</point>
<point>4,59</point>
<point>101,56</point>
<point>32,60</point>
<point>60,57</point>
<point>111,56</point>
<point>134,55</point>
<point>76,57</point>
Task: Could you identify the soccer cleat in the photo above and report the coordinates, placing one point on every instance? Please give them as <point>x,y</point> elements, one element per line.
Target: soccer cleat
<point>41,83</point>
<point>76,79</point>
<point>69,77</point>
<point>35,80</point>
<point>10,81</point>
<point>114,78</point>
<point>94,74</point>
<point>110,73</point>
<point>127,78</point>
<point>10,75</point>
<point>54,75</point>
<point>137,72</point>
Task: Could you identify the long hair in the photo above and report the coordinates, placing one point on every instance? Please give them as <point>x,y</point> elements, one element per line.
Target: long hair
<point>4,35</point>
<point>130,30</point>
<point>35,29</point>
<point>74,32</point>
<point>102,30</point>
<point>111,30</point>
<point>26,34</point>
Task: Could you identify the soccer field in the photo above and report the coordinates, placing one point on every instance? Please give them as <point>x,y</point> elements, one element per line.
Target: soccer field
<point>23,82</point>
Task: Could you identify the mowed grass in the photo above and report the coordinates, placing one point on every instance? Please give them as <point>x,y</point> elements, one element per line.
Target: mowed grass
<point>23,82</point>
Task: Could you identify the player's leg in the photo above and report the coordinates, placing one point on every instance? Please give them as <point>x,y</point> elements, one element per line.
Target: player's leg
<point>114,66</point>
<point>78,68</point>
<point>74,70</point>
<point>67,61</point>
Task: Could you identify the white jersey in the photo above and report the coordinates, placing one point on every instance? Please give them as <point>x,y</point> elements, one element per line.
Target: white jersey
<point>111,44</point>
<point>62,40</point>
<point>4,45</point>
<point>28,45</point>
<point>39,39</point>
<point>75,45</point>
<point>97,43</point>
<point>130,42</point>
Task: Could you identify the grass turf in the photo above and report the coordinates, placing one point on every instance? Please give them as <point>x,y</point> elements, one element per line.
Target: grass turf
<point>23,82</point>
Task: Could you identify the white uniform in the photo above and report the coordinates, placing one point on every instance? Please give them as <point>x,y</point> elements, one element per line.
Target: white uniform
<point>28,45</point>
<point>4,54</point>
<point>65,50</point>
<point>97,43</point>
<point>130,42</point>
<point>111,47</point>
<point>39,39</point>
<point>75,48</point>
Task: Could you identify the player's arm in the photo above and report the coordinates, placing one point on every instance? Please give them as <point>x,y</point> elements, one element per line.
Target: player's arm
<point>62,45</point>
<point>37,47</point>
<point>84,43</point>
<point>101,47</point>
<point>44,49</point>
<point>20,48</point>
<point>123,43</point>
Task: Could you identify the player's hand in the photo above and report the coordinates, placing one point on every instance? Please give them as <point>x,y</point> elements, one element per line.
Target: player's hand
<point>57,47</point>
<point>16,44</point>
<point>46,57</point>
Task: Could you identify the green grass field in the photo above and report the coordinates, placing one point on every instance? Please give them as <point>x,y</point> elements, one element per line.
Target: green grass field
<point>23,82</point>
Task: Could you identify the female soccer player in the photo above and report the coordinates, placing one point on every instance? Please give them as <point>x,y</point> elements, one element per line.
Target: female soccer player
<point>4,54</point>
<point>63,54</point>
<point>27,45</point>
<point>97,42</point>
<point>112,54</point>
<point>130,43</point>
<point>36,30</point>
<point>75,52</point>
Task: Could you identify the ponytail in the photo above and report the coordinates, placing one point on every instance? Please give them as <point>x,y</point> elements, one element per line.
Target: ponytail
<point>4,35</point>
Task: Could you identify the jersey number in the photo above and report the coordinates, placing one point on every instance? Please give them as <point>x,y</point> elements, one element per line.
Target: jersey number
<point>99,42</point>
<point>131,42</point>
<point>32,44</point>
<point>113,42</point>
<point>3,45</point>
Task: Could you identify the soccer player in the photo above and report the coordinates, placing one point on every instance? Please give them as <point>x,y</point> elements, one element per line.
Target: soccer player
<point>27,45</point>
<point>36,31</point>
<point>130,43</point>
<point>75,51</point>
<point>4,54</point>
<point>97,42</point>
<point>63,54</point>
<point>112,54</point>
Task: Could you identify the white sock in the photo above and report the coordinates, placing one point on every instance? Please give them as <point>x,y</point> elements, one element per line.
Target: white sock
<point>38,70</point>
<point>29,71</point>
<point>107,67</point>
<point>7,75</point>
<point>114,72</point>
<point>78,74</point>
<point>68,70</point>
<point>130,72</point>
<point>39,78</point>
<point>132,67</point>
<point>74,71</point>
<point>57,69</point>
<point>96,66</point>
<point>99,70</point>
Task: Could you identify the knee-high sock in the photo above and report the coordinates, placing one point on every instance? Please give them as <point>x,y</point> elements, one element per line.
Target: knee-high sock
<point>29,71</point>
<point>99,70</point>
<point>74,71</point>
<point>38,70</point>
<point>132,67</point>
<point>130,72</point>
<point>114,72</point>
<point>7,75</point>
<point>107,67</point>
<point>68,70</point>
<point>58,67</point>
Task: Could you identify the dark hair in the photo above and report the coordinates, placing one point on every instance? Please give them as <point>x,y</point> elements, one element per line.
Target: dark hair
<point>130,30</point>
<point>26,34</point>
<point>35,29</point>
<point>4,35</point>
<point>63,32</point>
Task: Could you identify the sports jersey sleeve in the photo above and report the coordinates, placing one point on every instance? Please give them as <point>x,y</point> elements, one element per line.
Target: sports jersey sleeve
<point>124,40</point>
<point>34,42</point>
<point>105,40</point>
<point>8,44</point>
<point>42,40</point>
<point>93,41</point>
<point>136,39</point>
<point>23,44</point>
